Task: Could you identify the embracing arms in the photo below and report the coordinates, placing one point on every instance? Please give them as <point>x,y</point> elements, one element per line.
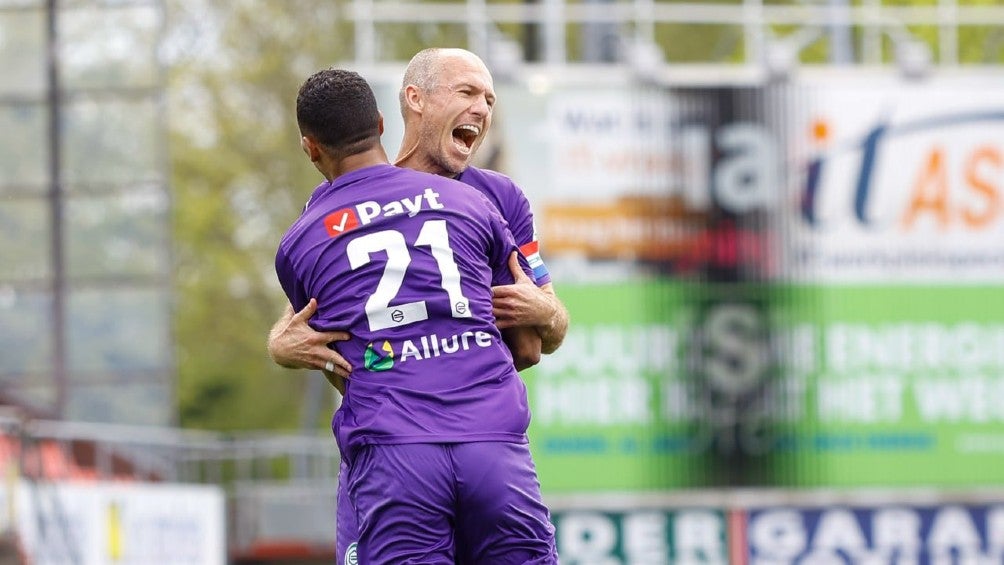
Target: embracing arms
<point>524,304</point>
<point>293,344</point>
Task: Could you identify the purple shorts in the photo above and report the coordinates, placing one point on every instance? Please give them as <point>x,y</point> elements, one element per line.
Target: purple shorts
<point>463,503</point>
<point>346,528</point>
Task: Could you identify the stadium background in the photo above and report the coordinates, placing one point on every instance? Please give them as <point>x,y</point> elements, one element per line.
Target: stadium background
<point>777,227</point>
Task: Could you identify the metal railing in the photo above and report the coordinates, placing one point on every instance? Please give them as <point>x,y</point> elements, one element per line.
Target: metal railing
<point>170,454</point>
<point>769,31</point>
<point>277,485</point>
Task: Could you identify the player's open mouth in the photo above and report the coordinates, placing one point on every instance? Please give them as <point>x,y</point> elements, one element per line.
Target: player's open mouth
<point>465,136</point>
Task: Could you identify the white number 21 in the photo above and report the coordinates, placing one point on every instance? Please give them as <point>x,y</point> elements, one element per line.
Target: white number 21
<point>379,312</point>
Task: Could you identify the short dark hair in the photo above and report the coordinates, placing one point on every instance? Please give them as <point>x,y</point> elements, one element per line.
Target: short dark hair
<point>338,109</point>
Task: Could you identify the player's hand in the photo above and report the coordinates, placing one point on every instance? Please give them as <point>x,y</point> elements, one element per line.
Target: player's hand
<point>294,344</point>
<point>520,303</point>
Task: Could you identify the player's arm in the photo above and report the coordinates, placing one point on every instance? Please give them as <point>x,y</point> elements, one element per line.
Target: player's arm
<point>336,381</point>
<point>524,304</point>
<point>293,344</point>
<point>552,330</point>
<point>524,344</point>
<point>535,304</point>
<point>523,341</point>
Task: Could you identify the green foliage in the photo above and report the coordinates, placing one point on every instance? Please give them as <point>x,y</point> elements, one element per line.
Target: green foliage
<point>239,179</point>
<point>705,43</point>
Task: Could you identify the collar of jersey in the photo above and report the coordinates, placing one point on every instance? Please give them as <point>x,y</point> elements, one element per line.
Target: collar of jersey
<point>355,176</point>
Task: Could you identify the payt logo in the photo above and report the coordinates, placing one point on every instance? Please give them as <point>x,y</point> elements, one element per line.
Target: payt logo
<point>346,219</point>
<point>340,221</point>
<point>941,171</point>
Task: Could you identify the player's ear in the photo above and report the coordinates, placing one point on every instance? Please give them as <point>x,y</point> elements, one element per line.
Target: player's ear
<point>380,121</point>
<point>413,98</point>
<point>310,148</point>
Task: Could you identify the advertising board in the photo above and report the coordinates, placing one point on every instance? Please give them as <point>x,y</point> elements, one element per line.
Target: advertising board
<point>801,281</point>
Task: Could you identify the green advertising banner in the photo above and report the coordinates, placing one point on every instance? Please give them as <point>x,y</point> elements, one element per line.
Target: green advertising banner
<point>596,420</point>
<point>905,387</point>
<point>663,384</point>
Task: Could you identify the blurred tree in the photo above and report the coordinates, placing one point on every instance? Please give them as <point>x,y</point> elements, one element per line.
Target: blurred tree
<point>239,179</point>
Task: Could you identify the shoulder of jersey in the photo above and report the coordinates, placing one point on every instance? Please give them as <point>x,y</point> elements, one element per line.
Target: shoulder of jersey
<point>490,179</point>
<point>488,174</point>
<point>313,195</point>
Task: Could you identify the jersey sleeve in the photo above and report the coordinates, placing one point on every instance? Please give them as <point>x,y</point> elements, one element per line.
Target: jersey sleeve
<point>524,231</point>
<point>503,244</point>
<point>290,282</point>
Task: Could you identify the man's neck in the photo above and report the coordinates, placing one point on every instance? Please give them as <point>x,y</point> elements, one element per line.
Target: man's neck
<point>368,158</point>
<point>411,157</point>
<point>425,165</point>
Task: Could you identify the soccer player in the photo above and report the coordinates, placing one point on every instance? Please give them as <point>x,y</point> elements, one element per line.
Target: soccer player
<point>434,416</point>
<point>447,98</point>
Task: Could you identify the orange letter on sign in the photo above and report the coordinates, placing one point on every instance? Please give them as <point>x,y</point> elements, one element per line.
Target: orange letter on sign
<point>930,192</point>
<point>978,184</point>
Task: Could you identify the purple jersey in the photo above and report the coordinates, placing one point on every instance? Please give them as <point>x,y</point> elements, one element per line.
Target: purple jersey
<point>515,208</point>
<point>405,261</point>
<point>511,202</point>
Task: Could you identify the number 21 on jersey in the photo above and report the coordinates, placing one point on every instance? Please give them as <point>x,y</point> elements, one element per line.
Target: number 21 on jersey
<point>379,312</point>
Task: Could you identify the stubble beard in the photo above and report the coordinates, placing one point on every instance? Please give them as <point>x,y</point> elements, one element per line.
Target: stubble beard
<point>427,154</point>
<point>443,159</point>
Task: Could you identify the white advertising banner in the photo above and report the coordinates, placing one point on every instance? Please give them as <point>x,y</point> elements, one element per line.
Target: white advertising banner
<point>898,181</point>
<point>120,524</point>
<point>606,143</point>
